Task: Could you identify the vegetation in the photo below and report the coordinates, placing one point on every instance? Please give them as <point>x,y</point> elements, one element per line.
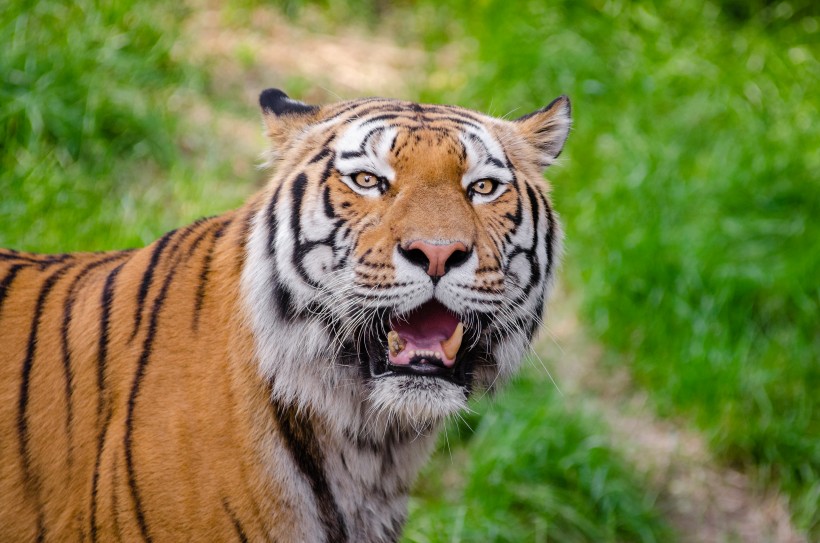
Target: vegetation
<point>535,470</point>
<point>93,146</point>
<point>690,197</point>
<point>689,193</point>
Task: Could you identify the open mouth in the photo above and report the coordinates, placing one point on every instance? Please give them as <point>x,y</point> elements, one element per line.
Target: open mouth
<point>425,342</point>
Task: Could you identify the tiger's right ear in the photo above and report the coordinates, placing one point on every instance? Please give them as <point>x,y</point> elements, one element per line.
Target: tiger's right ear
<point>547,129</point>
<point>283,116</point>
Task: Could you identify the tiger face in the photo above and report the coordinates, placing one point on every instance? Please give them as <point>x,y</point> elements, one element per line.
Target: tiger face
<point>403,254</point>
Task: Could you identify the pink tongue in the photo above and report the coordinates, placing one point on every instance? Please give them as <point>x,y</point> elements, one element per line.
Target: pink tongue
<point>424,329</point>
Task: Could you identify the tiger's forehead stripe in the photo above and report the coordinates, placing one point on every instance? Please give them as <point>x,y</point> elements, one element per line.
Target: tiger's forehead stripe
<point>375,110</point>
<point>485,158</point>
<point>370,131</point>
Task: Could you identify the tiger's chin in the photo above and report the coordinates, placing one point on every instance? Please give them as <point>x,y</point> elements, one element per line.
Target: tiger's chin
<point>424,370</point>
<point>414,402</point>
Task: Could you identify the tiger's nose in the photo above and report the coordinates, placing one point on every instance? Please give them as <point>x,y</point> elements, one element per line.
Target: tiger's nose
<point>437,259</point>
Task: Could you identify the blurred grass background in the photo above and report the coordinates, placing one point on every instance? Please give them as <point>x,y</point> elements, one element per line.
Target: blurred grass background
<point>689,191</point>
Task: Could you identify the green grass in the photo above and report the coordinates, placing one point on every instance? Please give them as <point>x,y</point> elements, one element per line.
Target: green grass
<point>534,469</point>
<point>690,192</point>
<point>91,103</point>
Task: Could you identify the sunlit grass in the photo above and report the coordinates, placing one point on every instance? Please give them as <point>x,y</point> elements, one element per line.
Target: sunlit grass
<point>92,105</point>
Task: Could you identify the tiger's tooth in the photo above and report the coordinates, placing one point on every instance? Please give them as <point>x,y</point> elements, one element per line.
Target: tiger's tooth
<point>395,343</point>
<point>451,345</point>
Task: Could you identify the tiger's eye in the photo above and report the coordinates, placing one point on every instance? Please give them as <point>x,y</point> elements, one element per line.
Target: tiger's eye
<point>484,187</point>
<point>366,180</point>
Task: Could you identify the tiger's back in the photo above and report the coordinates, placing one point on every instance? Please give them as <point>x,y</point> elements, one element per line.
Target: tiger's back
<point>81,335</point>
<point>278,373</point>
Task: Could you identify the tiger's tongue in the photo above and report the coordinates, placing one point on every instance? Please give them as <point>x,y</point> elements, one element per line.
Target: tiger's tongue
<point>429,329</point>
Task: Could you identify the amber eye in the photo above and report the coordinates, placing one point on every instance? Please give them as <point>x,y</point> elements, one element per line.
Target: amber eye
<point>484,187</point>
<point>366,180</point>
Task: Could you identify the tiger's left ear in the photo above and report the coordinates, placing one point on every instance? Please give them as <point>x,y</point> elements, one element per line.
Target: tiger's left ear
<point>284,116</point>
<point>547,129</point>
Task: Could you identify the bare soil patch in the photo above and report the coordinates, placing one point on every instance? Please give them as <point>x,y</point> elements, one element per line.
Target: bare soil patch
<point>703,500</point>
<point>253,51</point>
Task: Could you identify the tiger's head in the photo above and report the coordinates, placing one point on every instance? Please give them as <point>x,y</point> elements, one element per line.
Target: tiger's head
<point>402,253</point>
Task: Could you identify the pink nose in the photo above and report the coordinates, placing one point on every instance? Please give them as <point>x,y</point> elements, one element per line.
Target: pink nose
<point>438,255</point>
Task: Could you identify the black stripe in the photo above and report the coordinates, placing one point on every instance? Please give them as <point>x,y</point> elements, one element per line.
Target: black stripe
<point>282,297</point>
<point>206,270</point>
<point>5,284</point>
<point>285,309</point>
<point>202,235</point>
<point>410,112</point>
<point>41,528</point>
<point>330,168</point>
<point>36,259</point>
<point>115,507</point>
<point>368,136</point>
<point>302,248</point>
<point>95,479</point>
<point>319,156</point>
<point>490,158</point>
<point>297,431</point>
<point>386,117</point>
<point>364,111</point>
<point>25,382</point>
<point>237,526</point>
<point>330,213</point>
<point>519,215</point>
<point>106,303</point>
<point>495,162</point>
<point>147,277</point>
<point>431,118</point>
<point>297,195</point>
<point>105,320</point>
<point>246,223</point>
<point>68,372</point>
<point>550,236</point>
<point>535,268</point>
<point>142,365</point>
<point>463,115</point>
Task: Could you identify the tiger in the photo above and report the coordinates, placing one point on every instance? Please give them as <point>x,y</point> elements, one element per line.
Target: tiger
<point>279,372</point>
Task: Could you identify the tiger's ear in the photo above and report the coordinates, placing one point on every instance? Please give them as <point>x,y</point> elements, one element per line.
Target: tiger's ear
<point>284,116</point>
<point>547,129</point>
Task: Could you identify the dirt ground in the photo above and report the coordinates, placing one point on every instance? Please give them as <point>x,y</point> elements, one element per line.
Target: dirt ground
<point>705,501</point>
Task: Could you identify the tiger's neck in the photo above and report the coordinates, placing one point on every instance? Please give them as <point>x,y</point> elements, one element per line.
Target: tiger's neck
<point>353,467</point>
<point>349,487</point>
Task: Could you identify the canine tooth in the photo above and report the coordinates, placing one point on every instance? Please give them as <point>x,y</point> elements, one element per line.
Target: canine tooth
<point>395,343</point>
<point>451,345</point>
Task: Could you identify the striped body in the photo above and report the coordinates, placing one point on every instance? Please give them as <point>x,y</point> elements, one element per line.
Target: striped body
<point>230,381</point>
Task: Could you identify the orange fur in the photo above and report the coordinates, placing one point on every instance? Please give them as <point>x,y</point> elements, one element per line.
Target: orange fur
<point>210,463</point>
<point>131,406</point>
